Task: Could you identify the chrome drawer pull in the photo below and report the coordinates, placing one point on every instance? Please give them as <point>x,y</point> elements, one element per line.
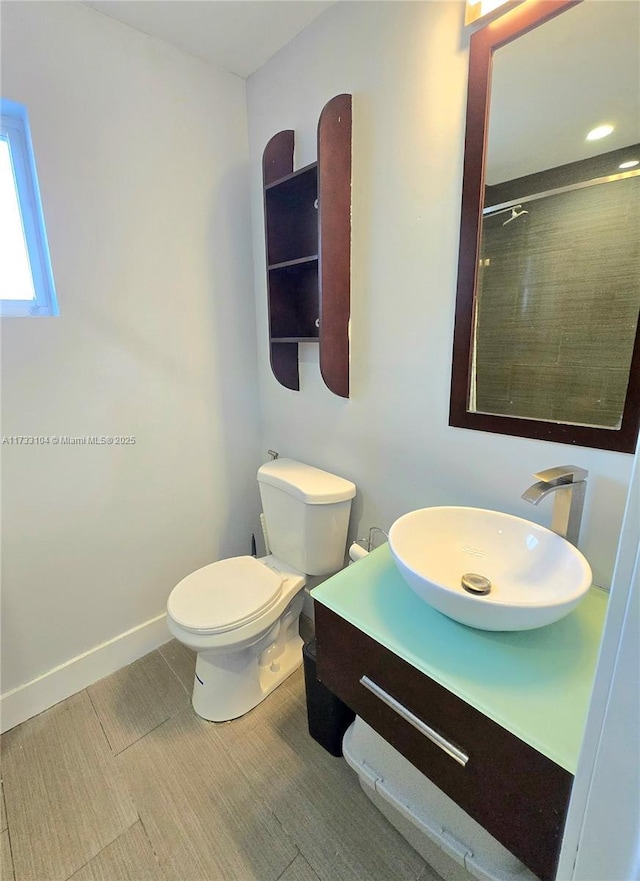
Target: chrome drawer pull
<point>455,752</point>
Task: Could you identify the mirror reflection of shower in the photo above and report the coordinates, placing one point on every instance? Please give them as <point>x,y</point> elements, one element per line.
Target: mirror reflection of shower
<point>557,299</point>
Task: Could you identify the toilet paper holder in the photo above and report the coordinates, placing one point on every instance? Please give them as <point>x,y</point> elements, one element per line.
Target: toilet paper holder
<point>363,546</point>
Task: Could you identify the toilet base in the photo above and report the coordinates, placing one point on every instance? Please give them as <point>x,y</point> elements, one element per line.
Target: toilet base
<point>229,684</point>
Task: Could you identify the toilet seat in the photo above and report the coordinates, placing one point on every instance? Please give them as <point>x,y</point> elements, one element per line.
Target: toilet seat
<point>224,595</point>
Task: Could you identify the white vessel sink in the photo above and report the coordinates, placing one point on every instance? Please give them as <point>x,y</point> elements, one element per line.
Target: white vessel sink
<point>536,577</point>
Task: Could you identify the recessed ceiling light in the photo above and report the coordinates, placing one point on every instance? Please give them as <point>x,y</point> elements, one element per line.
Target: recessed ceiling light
<point>601,131</point>
<point>630,164</point>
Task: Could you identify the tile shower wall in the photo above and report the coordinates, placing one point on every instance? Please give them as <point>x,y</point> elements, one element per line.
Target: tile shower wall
<point>559,306</point>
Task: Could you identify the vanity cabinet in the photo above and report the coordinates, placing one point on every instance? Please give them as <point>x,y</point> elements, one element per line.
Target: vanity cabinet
<point>308,247</point>
<point>515,792</point>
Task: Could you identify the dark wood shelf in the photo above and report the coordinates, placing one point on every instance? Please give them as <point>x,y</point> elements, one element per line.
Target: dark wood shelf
<point>308,249</point>
<point>295,339</point>
<point>311,259</point>
<point>306,169</point>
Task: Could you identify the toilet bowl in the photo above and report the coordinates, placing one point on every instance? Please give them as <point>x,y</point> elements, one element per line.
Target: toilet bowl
<point>241,615</point>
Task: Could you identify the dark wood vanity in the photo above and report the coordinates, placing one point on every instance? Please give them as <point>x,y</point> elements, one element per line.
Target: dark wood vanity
<point>510,787</point>
<point>517,794</point>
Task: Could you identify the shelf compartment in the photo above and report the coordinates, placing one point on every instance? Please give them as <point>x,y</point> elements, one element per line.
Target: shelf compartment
<point>294,306</point>
<point>292,217</point>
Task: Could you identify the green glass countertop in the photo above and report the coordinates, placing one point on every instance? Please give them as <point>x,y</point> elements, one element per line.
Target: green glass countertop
<point>535,683</point>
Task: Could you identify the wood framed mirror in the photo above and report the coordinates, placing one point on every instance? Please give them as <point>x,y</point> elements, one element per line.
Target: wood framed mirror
<point>546,339</point>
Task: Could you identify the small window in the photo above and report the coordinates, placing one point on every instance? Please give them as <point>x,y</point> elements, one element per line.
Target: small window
<point>26,280</point>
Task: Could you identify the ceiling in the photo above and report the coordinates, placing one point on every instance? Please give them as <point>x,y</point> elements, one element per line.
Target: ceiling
<point>236,35</point>
<point>549,87</point>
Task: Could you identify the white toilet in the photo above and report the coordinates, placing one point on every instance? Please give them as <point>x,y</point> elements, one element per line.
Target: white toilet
<point>241,614</point>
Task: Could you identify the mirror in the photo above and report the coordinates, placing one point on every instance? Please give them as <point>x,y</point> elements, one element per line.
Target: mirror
<point>546,342</point>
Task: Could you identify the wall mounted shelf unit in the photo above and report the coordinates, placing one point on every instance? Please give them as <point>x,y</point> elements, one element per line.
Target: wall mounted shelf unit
<point>308,249</point>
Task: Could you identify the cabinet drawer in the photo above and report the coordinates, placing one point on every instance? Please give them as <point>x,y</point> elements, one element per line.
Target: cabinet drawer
<point>513,791</point>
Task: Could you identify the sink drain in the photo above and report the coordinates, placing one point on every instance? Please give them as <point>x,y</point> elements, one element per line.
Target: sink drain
<point>474,583</point>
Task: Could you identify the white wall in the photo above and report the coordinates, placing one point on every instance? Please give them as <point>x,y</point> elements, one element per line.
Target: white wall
<point>406,65</point>
<point>600,840</point>
<point>142,158</point>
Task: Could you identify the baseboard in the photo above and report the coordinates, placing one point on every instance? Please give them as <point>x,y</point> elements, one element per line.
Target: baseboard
<point>50,688</point>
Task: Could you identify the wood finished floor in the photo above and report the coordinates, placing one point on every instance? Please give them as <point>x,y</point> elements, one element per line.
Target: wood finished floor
<point>123,782</point>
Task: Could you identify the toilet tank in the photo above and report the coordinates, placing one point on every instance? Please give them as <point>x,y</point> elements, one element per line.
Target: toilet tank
<point>307,515</point>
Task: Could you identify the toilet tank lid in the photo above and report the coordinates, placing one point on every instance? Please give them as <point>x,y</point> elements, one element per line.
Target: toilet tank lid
<point>306,483</point>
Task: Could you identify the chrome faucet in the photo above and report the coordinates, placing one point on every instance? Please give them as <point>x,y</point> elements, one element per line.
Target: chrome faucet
<point>569,484</point>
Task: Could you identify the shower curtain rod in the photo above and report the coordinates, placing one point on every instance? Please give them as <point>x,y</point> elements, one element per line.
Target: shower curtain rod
<point>504,206</point>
